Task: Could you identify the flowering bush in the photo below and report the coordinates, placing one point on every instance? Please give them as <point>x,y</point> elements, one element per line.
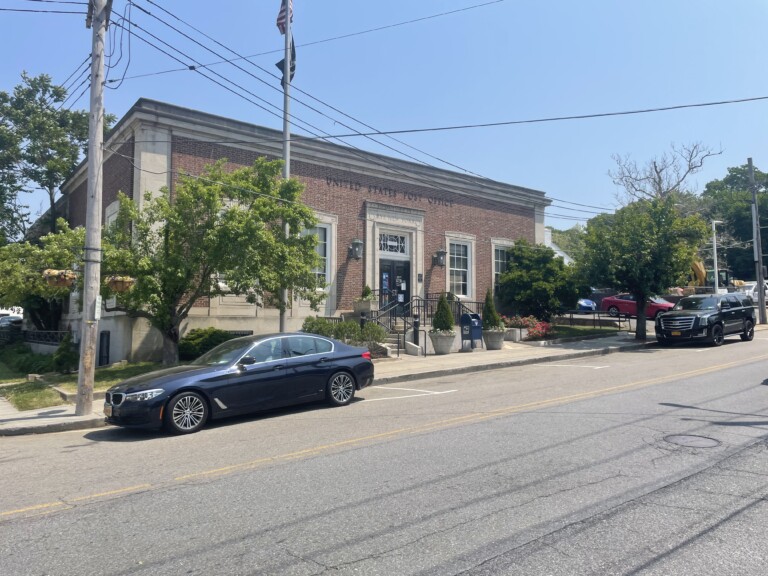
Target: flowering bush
<point>519,321</point>
<point>539,331</point>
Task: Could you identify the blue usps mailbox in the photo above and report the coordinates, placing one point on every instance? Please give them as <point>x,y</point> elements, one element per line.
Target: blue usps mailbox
<point>471,329</point>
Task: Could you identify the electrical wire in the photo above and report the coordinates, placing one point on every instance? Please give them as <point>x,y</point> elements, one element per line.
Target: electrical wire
<point>274,76</point>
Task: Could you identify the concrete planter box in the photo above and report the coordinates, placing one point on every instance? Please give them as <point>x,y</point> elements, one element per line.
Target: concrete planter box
<point>442,343</point>
<point>516,334</point>
<point>366,306</point>
<point>494,339</point>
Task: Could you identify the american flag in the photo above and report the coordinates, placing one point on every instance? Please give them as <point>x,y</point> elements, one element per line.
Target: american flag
<point>281,19</point>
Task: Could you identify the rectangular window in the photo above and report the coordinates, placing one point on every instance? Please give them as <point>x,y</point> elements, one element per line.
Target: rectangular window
<point>499,263</point>
<point>458,266</point>
<point>321,272</point>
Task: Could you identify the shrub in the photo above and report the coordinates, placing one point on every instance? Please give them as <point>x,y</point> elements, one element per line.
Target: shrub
<point>200,340</point>
<point>19,357</point>
<point>66,358</point>
<point>347,331</point>
<point>539,331</point>
<point>491,318</point>
<point>317,325</point>
<point>367,294</point>
<point>372,334</point>
<point>443,319</point>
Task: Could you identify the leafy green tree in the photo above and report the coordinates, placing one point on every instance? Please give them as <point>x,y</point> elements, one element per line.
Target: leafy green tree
<point>21,274</point>
<point>644,248</point>
<point>221,233</point>
<point>537,282</point>
<point>42,144</point>
<point>571,241</point>
<point>730,200</point>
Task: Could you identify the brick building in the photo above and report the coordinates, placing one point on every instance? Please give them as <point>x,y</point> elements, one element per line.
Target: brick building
<point>402,228</point>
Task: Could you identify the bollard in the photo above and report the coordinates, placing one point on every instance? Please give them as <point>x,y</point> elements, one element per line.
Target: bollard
<point>363,320</point>
<point>416,326</point>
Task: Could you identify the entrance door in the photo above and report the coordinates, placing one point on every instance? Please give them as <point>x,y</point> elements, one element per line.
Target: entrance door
<point>395,283</point>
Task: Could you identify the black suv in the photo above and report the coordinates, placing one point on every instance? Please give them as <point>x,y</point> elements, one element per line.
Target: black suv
<point>708,317</point>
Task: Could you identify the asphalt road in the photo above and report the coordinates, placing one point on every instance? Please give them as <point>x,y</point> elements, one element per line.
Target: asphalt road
<point>645,462</point>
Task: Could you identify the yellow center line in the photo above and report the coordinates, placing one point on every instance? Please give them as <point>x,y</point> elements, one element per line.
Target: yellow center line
<point>430,426</point>
<point>466,418</point>
<point>50,505</point>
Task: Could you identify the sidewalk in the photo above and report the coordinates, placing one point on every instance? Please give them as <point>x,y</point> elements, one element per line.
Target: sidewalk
<point>388,371</point>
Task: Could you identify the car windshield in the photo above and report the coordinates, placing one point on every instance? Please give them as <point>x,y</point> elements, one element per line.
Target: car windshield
<point>697,304</point>
<point>225,353</point>
<point>657,300</point>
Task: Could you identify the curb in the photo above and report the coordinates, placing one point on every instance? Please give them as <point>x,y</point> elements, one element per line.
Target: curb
<point>93,422</point>
<point>507,364</point>
<point>98,421</point>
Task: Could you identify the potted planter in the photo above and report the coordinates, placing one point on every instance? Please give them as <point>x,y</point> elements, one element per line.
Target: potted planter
<point>367,302</point>
<point>59,278</point>
<point>120,283</point>
<point>493,328</point>
<point>494,339</point>
<point>442,334</point>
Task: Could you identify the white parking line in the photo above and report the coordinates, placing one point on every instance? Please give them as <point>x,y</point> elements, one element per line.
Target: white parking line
<point>420,393</point>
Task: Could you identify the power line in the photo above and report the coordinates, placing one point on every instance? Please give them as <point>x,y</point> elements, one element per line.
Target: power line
<point>303,103</point>
<point>560,118</point>
<point>333,39</point>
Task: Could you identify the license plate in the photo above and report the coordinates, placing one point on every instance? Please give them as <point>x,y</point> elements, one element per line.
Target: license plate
<point>676,333</point>
<point>107,409</point>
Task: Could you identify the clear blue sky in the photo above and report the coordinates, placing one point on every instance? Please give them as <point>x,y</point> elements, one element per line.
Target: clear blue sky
<point>458,62</point>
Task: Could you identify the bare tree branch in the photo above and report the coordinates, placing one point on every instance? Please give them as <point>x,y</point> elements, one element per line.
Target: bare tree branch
<point>661,176</point>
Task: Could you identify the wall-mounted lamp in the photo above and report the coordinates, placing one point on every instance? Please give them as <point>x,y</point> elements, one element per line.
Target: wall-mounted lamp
<point>439,258</point>
<point>356,249</point>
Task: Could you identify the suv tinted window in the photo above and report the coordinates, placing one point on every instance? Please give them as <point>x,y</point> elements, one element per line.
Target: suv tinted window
<point>697,304</point>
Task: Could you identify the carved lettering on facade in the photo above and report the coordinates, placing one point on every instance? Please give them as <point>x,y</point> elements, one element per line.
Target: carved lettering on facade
<point>388,192</point>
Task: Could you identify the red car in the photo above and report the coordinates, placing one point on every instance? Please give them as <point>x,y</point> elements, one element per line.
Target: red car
<point>625,304</point>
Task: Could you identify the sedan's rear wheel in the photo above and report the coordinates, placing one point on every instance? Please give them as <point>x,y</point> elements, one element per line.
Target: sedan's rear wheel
<point>341,389</point>
<point>613,311</point>
<point>717,335</point>
<point>186,413</point>
<point>749,331</point>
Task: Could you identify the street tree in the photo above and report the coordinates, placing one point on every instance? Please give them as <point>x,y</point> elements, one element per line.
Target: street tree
<point>571,241</point>
<point>41,143</point>
<point>219,233</point>
<point>21,274</point>
<point>536,282</point>
<point>730,200</point>
<point>661,177</point>
<point>643,248</point>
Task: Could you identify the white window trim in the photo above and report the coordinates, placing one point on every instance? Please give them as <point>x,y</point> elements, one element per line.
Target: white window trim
<point>498,243</point>
<point>471,241</point>
<point>331,223</point>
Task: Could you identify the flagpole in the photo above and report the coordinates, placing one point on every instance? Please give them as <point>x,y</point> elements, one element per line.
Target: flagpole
<point>286,135</point>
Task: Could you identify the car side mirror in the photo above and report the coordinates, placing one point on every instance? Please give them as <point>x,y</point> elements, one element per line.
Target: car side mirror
<point>246,361</point>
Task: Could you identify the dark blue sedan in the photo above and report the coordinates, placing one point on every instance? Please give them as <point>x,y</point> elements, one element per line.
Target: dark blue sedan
<point>240,376</point>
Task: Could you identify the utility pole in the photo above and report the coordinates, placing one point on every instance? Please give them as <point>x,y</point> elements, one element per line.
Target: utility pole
<point>758,246</point>
<point>98,14</point>
<point>288,4</point>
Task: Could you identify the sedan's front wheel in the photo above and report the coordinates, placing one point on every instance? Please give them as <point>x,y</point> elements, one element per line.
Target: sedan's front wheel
<point>341,389</point>
<point>186,413</point>
<point>613,311</point>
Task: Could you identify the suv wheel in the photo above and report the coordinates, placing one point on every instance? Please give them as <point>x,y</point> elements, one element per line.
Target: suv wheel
<point>749,331</point>
<point>717,335</point>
